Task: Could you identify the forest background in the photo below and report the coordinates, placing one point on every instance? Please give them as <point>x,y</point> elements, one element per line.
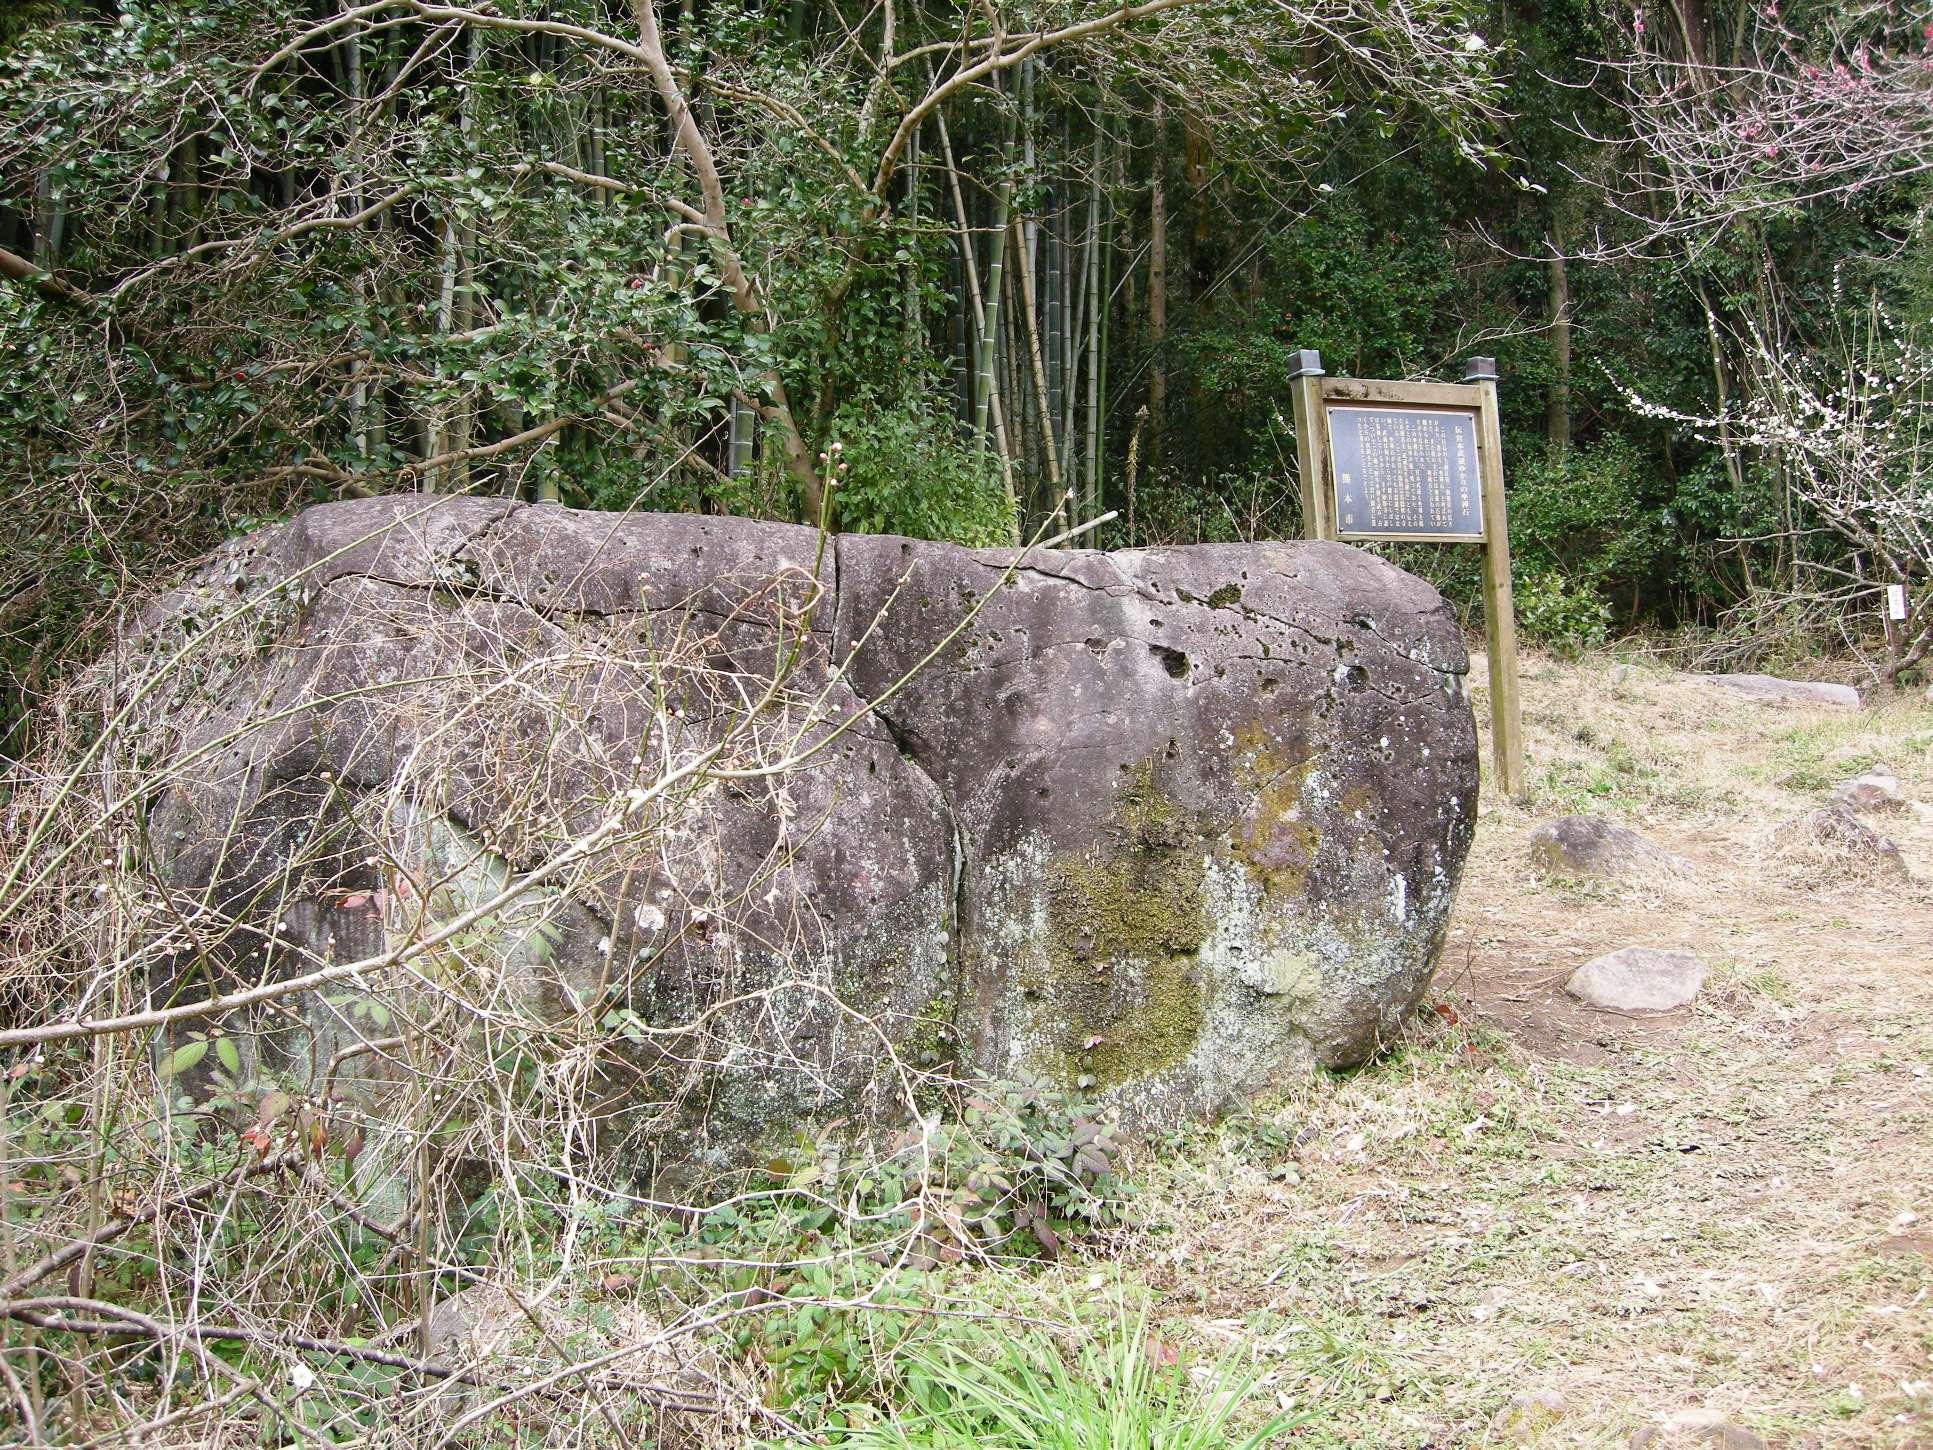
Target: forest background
<point>942,270</point>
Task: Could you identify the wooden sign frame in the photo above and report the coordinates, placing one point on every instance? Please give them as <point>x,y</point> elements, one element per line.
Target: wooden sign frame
<point>1476,395</point>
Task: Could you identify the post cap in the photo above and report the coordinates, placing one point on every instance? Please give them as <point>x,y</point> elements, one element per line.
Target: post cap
<point>1480,370</point>
<point>1305,363</point>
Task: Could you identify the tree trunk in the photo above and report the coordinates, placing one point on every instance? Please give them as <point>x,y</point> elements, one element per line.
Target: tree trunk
<point>1558,411</point>
<point>1157,293</point>
<point>915,322</point>
<point>436,416</point>
<point>745,300</point>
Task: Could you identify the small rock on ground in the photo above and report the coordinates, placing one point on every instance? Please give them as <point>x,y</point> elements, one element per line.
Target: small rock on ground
<point>1770,690</point>
<point>1527,1415</point>
<point>1593,846</point>
<point>1834,840</point>
<point>1697,1427</point>
<point>1875,790</point>
<point>1638,979</point>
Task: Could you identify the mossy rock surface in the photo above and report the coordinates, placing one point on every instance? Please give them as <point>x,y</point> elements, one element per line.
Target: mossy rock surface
<point>1215,800</point>
<point>1172,823</point>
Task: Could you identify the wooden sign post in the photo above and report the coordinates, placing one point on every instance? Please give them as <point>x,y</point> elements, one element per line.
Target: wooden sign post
<point>1418,463</point>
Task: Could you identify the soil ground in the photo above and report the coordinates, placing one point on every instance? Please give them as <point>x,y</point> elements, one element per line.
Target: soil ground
<point>1535,1223</point>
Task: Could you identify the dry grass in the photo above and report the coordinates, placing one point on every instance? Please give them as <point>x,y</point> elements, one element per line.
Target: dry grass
<point>1538,1224</point>
<point>1529,1223</point>
<point>1535,1224</point>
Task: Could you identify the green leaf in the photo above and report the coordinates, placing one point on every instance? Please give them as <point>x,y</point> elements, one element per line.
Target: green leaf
<point>230,1055</point>
<point>185,1057</point>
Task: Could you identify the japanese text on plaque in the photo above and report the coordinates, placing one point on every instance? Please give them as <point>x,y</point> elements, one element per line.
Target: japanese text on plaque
<point>1406,472</point>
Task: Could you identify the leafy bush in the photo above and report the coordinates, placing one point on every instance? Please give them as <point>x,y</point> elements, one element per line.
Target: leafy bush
<point>909,470</point>
<point>1592,517</point>
<point>1026,1158</point>
<point>1560,613</point>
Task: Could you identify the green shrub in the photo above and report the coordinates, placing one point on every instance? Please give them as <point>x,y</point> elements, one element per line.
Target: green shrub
<point>905,469</point>
<point>842,1257</point>
<point>1568,616</point>
<point>1593,518</point>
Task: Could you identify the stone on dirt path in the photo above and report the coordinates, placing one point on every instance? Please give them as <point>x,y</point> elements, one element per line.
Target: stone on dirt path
<point>1638,979</point>
<point>1834,841</point>
<point>1593,846</point>
<point>1874,790</point>
<point>1697,1427</point>
<point>1770,690</point>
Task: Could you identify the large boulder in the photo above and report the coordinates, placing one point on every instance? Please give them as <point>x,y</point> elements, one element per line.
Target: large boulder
<point>1169,825</point>
<point>1770,690</point>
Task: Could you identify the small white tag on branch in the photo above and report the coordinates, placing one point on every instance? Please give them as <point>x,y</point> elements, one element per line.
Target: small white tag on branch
<point>1896,601</point>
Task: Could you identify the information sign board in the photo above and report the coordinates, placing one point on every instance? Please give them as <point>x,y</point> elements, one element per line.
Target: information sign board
<point>1405,473</point>
<point>1418,462</point>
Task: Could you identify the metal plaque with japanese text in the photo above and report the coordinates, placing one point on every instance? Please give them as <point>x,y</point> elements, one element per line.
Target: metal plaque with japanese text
<point>1405,473</point>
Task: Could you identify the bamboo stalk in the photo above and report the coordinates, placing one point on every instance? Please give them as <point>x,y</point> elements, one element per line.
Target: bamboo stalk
<point>1029,162</point>
<point>1098,468</point>
<point>990,324</point>
<point>1050,456</point>
<point>977,338</point>
<point>1008,356</point>
<point>1092,454</point>
<point>1158,291</point>
<point>915,331</point>
<point>1053,330</point>
<point>1063,376</point>
<point>464,315</point>
<point>351,48</point>
<point>1557,417</point>
<point>1074,316</point>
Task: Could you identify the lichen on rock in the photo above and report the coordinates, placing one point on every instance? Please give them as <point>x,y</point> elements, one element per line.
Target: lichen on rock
<point>1176,823</point>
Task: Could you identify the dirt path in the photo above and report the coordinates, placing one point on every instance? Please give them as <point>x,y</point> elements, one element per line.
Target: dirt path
<point>1541,1224</point>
